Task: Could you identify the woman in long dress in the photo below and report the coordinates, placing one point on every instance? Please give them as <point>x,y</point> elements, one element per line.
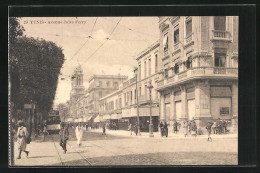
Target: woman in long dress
<point>79,134</point>
<point>22,134</point>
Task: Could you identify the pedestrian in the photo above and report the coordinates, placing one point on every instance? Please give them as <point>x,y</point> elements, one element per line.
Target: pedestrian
<point>130,128</point>
<point>22,135</point>
<point>208,127</point>
<point>45,132</point>
<point>165,129</point>
<point>175,127</point>
<point>79,133</point>
<point>185,128</point>
<point>189,127</point>
<point>214,127</point>
<point>193,128</point>
<point>225,126</point>
<point>136,129</point>
<point>64,136</point>
<point>161,128</point>
<point>104,129</point>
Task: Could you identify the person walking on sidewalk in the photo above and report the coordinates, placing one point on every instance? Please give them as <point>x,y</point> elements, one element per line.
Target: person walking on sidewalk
<point>104,129</point>
<point>185,128</point>
<point>64,136</point>
<point>22,135</point>
<point>79,133</point>
<point>136,129</point>
<point>175,127</point>
<point>208,127</point>
<point>130,128</point>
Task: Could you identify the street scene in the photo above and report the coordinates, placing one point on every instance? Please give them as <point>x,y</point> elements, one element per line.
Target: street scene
<point>122,91</point>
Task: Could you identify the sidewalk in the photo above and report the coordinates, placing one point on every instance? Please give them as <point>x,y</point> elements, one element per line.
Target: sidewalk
<point>158,135</point>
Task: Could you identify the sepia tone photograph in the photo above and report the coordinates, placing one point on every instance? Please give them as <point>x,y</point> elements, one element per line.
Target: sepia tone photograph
<point>123,91</point>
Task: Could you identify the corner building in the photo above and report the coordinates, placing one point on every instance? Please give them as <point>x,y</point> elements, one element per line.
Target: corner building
<point>199,69</point>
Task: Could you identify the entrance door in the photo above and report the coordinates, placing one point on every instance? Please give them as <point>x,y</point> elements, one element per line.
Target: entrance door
<point>167,111</point>
<point>178,110</point>
<point>191,109</point>
<point>221,108</point>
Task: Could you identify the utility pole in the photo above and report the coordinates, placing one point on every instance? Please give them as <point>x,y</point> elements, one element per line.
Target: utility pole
<point>150,87</point>
<point>137,104</point>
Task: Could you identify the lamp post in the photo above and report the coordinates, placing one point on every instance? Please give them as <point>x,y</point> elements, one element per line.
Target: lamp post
<point>137,104</point>
<point>150,87</point>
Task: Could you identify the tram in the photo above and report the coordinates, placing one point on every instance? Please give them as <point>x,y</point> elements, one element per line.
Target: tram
<point>53,122</point>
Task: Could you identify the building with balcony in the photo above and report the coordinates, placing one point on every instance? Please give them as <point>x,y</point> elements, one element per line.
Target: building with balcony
<point>100,86</point>
<point>198,69</point>
<point>147,71</point>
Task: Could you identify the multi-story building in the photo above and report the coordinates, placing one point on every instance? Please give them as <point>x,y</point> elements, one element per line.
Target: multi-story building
<point>121,105</point>
<point>199,69</point>
<point>100,86</point>
<point>110,109</point>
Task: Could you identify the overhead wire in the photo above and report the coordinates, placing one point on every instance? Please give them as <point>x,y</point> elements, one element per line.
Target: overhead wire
<point>85,41</point>
<point>103,42</point>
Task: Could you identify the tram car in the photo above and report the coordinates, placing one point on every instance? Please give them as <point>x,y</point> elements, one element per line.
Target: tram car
<point>53,122</point>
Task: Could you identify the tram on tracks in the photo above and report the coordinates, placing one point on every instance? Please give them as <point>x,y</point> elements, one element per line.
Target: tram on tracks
<point>53,122</point>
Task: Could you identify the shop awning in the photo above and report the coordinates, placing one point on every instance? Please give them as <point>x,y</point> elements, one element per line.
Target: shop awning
<point>97,119</point>
<point>116,116</point>
<point>106,117</point>
<point>143,111</point>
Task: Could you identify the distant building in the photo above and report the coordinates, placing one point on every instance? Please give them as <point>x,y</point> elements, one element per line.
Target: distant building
<point>199,69</point>
<point>77,90</point>
<point>100,86</point>
<point>120,107</point>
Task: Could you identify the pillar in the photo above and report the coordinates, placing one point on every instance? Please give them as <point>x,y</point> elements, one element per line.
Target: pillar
<point>162,106</point>
<point>184,102</point>
<point>234,120</point>
<point>172,107</point>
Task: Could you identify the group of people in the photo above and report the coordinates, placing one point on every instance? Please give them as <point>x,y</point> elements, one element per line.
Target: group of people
<point>164,129</point>
<point>113,126</point>
<point>133,128</point>
<point>220,126</point>
<point>64,134</point>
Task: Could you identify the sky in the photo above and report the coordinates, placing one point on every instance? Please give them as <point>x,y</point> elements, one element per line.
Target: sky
<point>112,49</point>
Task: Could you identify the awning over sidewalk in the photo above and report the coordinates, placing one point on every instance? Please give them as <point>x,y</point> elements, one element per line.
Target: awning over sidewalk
<point>143,111</point>
<point>106,117</point>
<point>97,119</point>
<point>116,116</point>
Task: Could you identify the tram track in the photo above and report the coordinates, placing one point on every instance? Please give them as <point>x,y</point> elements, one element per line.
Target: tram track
<point>63,163</point>
<point>156,161</point>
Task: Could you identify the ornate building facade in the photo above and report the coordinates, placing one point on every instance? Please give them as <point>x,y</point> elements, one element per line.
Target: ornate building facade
<point>199,69</point>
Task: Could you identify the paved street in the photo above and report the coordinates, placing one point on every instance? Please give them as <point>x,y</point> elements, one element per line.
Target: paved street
<point>120,148</point>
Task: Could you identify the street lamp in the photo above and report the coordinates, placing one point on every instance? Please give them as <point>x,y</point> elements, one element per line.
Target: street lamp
<point>150,87</point>
<point>137,104</point>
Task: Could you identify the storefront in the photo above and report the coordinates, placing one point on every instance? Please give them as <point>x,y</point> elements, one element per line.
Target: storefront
<point>221,99</point>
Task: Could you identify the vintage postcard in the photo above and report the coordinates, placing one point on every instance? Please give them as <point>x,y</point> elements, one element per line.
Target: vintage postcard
<point>113,91</point>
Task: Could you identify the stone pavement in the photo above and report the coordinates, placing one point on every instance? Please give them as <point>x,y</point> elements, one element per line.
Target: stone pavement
<point>124,149</point>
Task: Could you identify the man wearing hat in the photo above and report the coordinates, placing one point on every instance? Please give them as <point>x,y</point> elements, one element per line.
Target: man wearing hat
<point>22,134</point>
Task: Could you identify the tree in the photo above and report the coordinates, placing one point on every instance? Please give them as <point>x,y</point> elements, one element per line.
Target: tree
<point>34,67</point>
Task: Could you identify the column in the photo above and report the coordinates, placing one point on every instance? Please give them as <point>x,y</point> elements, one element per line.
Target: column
<point>234,107</point>
<point>172,106</point>
<point>197,98</point>
<point>184,102</point>
<point>162,106</point>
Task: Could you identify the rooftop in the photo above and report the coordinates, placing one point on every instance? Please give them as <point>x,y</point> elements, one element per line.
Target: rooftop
<point>107,77</point>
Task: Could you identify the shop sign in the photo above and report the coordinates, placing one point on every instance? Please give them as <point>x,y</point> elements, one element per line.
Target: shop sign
<point>224,110</point>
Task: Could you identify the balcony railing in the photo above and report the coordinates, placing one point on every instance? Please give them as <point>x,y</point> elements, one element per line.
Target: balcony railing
<point>200,71</point>
<point>166,52</point>
<point>176,46</point>
<point>189,38</point>
<point>221,35</point>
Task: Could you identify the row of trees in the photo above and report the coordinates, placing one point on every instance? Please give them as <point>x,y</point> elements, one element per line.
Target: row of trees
<point>34,68</point>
